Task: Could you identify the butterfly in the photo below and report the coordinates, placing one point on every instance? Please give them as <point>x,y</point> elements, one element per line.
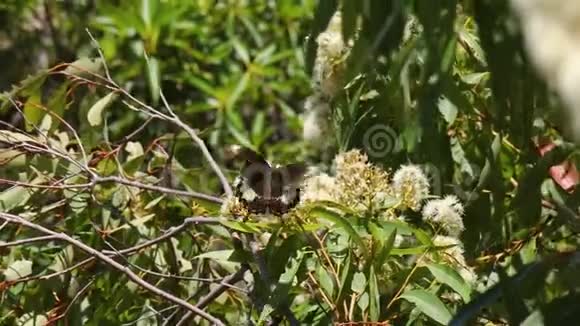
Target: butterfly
<point>267,189</point>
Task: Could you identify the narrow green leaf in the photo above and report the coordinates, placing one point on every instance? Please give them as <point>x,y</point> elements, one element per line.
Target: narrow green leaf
<point>241,51</point>
<point>429,304</point>
<point>450,277</point>
<point>339,220</point>
<point>409,251</point>
<point>375,303</point>
<point>325,280</point>
<point>153,76</point>
<point>95,114</point>
<point>222,255</point>
<point>238,91</point>
<point>247,227</point>
<point>346,277</point>
<point>33,111</point>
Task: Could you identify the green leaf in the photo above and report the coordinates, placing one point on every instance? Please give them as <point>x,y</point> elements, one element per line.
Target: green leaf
<point>266,312</point>
<point>57,103</point>
<point>95,114</point>
<point>450,277</point>
<point>288,276</point>
<point>241,51</point>
<point>375,302</point>
<point>339,220</point>
<point>363,302</point>
<point>14,197</point>
<point>325,280</point>
<point>447,109</point>
<point>429,304</point>
<point>247,227</point>
<point>33,111</point>
<point>346,276</point>
<point>18,269</point>
<point>84,67</point>
<point>221,255</point>
<point>154,79</point>
<point>409,251</point>
<point>238,91</point>
<point>534,319</point>
<point>359,282</point>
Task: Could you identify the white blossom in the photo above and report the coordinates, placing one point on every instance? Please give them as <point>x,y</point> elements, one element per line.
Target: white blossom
<point>446,213</point>
<point>411,185</point>
<point>319,188</point>
<point>328,65</point>
<point>317,126</point>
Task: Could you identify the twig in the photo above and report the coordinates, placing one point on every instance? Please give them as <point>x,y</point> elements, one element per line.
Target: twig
<point>407,279</point>
<point>111,262</point>
<point>193,134</point>
<point>77,296</point>
<point>98,179</point>
<point>171,232</point>
<point>100,51</point>
<point>216,292</point>
<point>27,241</point>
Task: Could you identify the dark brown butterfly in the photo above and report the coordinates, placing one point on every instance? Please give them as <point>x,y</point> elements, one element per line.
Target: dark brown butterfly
<point>264,188</point>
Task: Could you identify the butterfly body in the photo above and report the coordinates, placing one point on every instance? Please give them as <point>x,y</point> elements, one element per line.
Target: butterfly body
<point>267,189</point>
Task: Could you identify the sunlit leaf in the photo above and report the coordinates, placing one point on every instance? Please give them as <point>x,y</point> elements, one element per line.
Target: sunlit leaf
<point>450,277</point>
<point>429,304</point>
<point>95,114</point>
<point>18,269</point>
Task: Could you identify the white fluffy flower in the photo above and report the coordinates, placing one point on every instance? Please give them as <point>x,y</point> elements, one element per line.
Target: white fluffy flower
<point>328,68</point>
<point>447,213</point>
<point>411,185</point>
<point>319,188</point>
<point>316,122</point>
<point>551,31</point>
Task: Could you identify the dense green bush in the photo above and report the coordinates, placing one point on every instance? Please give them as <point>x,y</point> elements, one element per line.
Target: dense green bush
<point>441,186</point>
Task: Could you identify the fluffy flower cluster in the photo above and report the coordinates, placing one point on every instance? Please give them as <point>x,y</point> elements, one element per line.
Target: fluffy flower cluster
<point>327,81</point>
<point>317,124</point>
<point>411,186</point>
<point>329,64</point>
<point>552,34</point>
<point>361,184</point>
<point>445,213</point>
<point>357,183</point>
<point>319,188</point>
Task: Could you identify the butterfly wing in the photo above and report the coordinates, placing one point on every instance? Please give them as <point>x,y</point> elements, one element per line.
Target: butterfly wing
<point>286,179</point>
<point>256,172</point>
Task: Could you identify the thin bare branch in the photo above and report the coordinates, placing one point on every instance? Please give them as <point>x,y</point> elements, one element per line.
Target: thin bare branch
<point>111,262</point>
<point>127,182</point>
<point>28,241</point>
<point>216,292</point>
<point>193,134</point>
